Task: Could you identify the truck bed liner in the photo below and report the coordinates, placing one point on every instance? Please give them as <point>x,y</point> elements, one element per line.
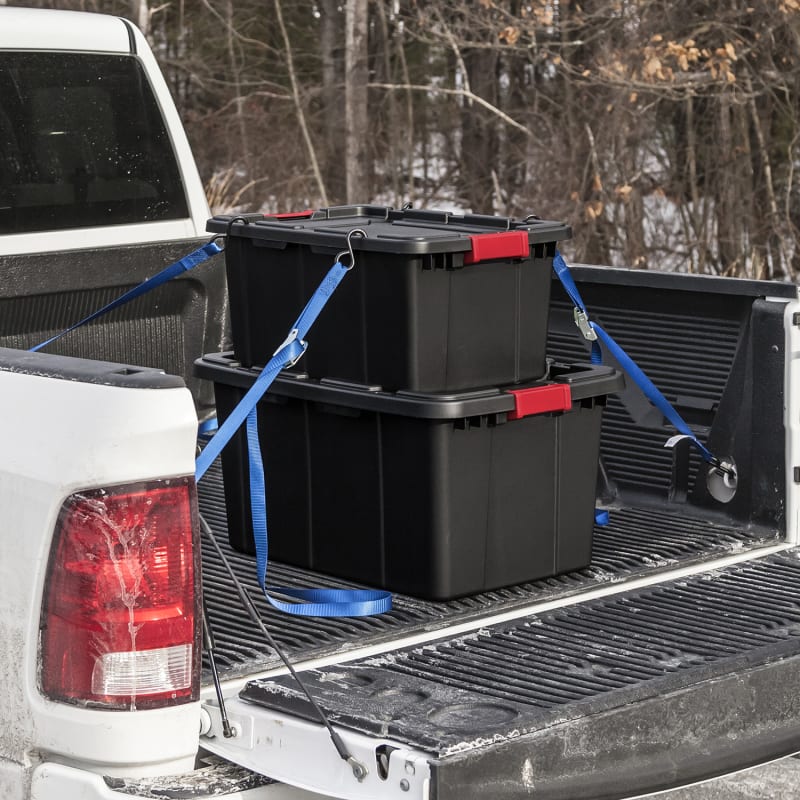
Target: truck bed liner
<point>637,542</point>
<point>736,341</point>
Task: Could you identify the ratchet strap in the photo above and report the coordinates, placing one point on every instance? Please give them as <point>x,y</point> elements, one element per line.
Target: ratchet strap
<point>314,602</point>
<point>184,264</point>
<point>595,334</point>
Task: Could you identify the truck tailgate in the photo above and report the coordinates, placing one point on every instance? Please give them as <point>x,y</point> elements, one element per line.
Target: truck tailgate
<point>636,692</point>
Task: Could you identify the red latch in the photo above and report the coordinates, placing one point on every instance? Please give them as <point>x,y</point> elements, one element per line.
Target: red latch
<point>292,214</point>
<point>493,246</point>
<point>540,400</point>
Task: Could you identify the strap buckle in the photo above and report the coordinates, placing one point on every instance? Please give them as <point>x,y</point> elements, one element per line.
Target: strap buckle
<point>582,321</point>
<point>289,340</point>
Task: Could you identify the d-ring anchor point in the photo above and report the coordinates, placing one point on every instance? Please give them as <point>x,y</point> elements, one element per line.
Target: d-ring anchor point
<point>722,480</point>
<point>349,251</point>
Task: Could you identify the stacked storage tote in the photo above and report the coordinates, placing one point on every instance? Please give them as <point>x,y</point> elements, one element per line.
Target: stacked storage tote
<point>423,444</point>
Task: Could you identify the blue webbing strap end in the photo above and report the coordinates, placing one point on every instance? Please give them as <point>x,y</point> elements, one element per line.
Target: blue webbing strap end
<point>313,602</point>
<point>207,426</point>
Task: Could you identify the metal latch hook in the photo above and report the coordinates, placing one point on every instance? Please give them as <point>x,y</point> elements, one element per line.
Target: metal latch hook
<point>220,240</point>
<point>292,337</point>
<point>349,251</point>
<point>582,321</point>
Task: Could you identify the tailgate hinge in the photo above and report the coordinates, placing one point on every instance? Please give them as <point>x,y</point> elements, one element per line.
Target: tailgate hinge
<point>299,753</point>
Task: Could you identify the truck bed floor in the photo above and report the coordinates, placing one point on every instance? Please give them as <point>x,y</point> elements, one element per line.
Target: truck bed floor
<point>636,542</point>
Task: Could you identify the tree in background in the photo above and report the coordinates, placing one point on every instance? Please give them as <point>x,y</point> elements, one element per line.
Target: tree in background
<point>666,133</point>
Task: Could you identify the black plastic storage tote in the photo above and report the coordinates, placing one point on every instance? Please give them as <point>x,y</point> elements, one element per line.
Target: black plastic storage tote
<point>436,301</point>
<point>433,495</point>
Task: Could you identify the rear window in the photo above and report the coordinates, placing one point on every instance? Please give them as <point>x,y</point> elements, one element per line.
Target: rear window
<point>82,144</point>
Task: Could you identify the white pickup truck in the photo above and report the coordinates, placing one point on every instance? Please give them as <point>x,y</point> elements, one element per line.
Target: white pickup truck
<point>673,657</point>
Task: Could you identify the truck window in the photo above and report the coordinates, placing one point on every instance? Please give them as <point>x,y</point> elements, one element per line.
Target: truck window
<point>82,144</point>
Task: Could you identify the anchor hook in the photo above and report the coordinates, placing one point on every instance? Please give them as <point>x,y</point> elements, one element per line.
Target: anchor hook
<point>349,251</point>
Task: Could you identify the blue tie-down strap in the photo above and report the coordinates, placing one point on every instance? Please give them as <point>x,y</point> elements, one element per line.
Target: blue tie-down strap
<point>581,315</point>
<point>288,354</point>
<point>290,351</point>
<point>593,332</point>
<point>168,273</point>
<point>207,426</point>
<point>239,414</point>
<point>313,602</point>
<point>651,391</point>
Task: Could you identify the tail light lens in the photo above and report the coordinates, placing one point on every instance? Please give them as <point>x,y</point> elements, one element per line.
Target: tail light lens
<point>121,620</point>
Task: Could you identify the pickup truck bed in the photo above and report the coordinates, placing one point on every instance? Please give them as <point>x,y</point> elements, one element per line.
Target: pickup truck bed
<point>671,658</point>
<point>608,698</point>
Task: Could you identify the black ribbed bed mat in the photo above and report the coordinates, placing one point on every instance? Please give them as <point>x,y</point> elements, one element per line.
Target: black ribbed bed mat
<point>636,542</point>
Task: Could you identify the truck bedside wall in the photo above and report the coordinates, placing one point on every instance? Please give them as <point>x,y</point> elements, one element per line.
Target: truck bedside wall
<point>62,436</point>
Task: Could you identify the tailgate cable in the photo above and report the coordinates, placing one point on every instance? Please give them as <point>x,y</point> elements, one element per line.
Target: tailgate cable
<point>593,333</point>
<point>210,648</point>
<point>360,771</point>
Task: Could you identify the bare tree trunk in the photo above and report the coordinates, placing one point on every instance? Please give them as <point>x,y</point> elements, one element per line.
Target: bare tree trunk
<point>635,244</point>
<point>241,153</point>
<point>331,36</point>
<point>298,105</point>
<point>395,167</point>
<point>479,143</point>
<point>596,247</point>
<point>794,263</point>
<point>141,15</point>
<point>697,218</point>
<point>725,201</point>
<point>580,158</point>
<point>775,244</point>
<point>355,105</point>
<point>410,189</point>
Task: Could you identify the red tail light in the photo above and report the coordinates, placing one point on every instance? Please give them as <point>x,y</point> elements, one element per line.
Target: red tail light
<point>121,619</point>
